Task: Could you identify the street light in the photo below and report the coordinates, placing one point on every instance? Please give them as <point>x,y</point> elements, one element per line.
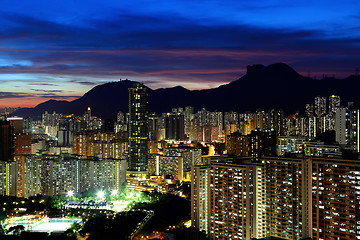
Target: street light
<point>100,194</point>
<point>70,193</point>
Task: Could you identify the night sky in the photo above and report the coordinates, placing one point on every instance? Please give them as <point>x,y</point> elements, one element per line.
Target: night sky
<point>61,49</point>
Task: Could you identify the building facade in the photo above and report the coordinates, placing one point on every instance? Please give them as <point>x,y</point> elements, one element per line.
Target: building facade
<point>51,174</point>
<point>138,128</point>
<point>286,198</point>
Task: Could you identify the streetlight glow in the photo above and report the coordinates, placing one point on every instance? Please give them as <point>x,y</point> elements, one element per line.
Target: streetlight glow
<point>100,194</point>
<point>114,193</point>
<point>70,193</point>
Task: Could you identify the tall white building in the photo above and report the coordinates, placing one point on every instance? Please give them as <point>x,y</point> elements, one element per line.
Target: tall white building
<point>320,106</point>
<point>334,104</point>
<point>200,189</point>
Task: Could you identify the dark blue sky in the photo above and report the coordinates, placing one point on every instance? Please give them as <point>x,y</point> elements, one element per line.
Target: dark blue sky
<point>61,49</point>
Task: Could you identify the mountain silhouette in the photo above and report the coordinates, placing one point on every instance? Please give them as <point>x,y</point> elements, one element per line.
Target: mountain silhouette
<point>264,87</point>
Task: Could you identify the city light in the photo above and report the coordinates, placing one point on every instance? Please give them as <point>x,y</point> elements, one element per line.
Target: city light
<point>100,194</point>
<point>70,193</point>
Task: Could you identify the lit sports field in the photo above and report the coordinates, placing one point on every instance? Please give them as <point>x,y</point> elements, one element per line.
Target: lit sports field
<point>120,206</point>
<point>36,223</point>
<point>55,225</point>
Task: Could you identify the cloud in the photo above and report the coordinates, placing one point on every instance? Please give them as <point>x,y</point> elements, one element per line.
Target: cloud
<point>13,95</point>
<point>166,49</point>
<point>85,83</point>
<point>58,96</point>
<point>48,94</point>
<point>42,84</point>
<point>44,90</point>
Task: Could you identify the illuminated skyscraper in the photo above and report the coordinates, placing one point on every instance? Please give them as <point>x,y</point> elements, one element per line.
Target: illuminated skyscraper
<point>334,104</point>
<point>51,123</point>
<point>309,110</point>
<point>188,116</point>
<point>275,120</point>
<point>320,106</point>
<point>260,119</point>
<point>348,126</point>
<point>138,128</point>
<point>354,126</point>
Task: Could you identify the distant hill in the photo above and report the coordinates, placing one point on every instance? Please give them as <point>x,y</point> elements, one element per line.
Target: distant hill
<point>264,87</point>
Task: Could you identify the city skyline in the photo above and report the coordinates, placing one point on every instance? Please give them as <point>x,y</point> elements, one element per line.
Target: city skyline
<point>249,175</point>
<point>61,50</point>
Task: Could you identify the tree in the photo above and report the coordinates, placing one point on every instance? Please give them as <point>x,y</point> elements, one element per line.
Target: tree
<point>3,215</point>
<point>58,201</point>
<point>76,226</point>
<point>16,230</point>
<point>2,231</point>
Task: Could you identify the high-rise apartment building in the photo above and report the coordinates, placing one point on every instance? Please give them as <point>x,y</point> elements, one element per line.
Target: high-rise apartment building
<point>320,106</point>
<point>138,128</point>
<point>255,145</point>
<point>260,119</point>
<point>285,198</point>
<point>341,126</point>
<point>28,180</point>
<point>188,116</point>
<point>347,126</point>
<point>101,145</point>
<point>174,126</point>
<point>285,194</point>
<point>200,189</point>
<point>335,197</point>
<point>54,174</point>
<point>191,156</point>
<point>309,110</point>
<point>238,144</point>
<point>195,130</point>
<point>8,178</point>
<point>23,144</point>
<point>334,104</point>
<point>354,126</point>
<point>275,121</point>
<point>51,123</point>
<point>228,200</point>
<point>27,125</point>
<point>6,141</point>
<point>17,124</point>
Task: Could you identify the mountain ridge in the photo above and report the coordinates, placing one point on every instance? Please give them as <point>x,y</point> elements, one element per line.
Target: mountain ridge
<point>264,87</point>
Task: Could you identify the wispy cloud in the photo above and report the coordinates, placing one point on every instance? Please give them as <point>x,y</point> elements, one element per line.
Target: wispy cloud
<point>53,96</point>
<point>44,90</point>
<point>87,83</point>
<point>13,95</point>
<point>42,84</point>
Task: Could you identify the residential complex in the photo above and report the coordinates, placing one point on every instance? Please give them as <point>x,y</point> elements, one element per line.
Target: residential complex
<point>253,175</point>
<point>287,198</point>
